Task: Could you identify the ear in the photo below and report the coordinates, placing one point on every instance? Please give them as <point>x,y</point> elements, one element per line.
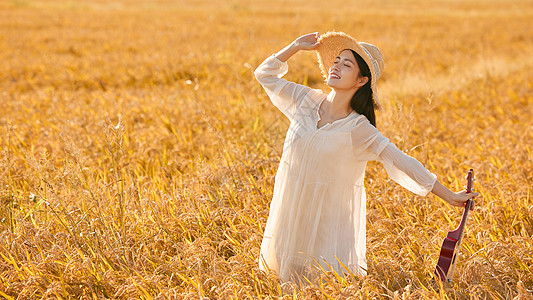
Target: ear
<point>362,81</point>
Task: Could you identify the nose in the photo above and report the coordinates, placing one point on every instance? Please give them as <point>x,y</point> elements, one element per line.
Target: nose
<point>334,67</point>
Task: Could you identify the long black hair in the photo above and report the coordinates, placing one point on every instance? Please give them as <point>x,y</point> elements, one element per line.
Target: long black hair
<point>362,101</point>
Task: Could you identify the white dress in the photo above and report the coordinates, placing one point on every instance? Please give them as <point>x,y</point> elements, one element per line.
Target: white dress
<point>318,209</point>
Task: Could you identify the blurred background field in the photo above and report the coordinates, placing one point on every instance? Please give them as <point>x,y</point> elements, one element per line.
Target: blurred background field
<point>138,152</point>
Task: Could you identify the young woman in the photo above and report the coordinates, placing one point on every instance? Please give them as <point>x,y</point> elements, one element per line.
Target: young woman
<point>318,210</point>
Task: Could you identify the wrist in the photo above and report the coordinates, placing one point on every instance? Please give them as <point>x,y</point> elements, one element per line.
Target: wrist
<point>442,192</point>
<point>295,46</point>
<point>287,52</point>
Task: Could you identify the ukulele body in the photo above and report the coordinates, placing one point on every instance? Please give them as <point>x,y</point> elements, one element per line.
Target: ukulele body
<point>448,252</point>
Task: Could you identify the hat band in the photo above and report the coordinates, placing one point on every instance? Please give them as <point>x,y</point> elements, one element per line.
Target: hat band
<point>374,64</point>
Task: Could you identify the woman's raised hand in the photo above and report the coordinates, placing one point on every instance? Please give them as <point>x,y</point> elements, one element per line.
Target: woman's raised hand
<point>307,41</point>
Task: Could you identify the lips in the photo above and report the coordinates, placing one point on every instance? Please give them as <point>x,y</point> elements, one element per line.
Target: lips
<point>334,75</point>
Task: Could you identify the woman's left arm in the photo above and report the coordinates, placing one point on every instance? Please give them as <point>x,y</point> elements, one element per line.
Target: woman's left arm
<point>455,199</point>
<point>369,144</point>
<point>403,167</point>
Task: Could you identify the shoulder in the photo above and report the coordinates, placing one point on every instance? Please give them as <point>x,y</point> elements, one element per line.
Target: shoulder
<point>360,122</point>
<point>308,98</point>
<point>361,127</point>
<point>316,93</point>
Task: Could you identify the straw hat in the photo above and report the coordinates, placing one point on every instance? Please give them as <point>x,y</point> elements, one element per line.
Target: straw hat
<point>333,43</point>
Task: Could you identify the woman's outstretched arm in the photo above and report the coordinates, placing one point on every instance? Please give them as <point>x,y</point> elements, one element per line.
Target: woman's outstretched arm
<point>369,144</point>
<point>305,42</point>
<point>455,199</point>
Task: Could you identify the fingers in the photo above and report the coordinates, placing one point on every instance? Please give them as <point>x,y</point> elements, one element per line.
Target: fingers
<point>314,36</point>
<point>472,195</point>
<point>308,41</point>
<point>457,203</point>
<point>317,43</point>
<point>461,198</point>
<point>467,195</point>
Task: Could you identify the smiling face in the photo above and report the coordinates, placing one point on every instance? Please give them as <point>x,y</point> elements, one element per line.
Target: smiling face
<point>344,73</point>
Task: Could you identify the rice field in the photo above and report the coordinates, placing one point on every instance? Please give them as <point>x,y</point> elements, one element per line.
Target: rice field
<point>138,152</point>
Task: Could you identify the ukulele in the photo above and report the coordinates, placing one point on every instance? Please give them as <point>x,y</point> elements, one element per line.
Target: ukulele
<point>452,243</point>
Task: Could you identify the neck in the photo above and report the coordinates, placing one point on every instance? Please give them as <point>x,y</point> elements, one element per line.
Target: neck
<point>339,102</point>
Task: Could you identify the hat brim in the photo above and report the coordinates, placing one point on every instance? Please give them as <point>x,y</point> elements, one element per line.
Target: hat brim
<point>332,44</point>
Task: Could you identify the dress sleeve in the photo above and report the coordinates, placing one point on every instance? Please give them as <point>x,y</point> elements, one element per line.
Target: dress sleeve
<point>285,95</point>
<point>369,144</point>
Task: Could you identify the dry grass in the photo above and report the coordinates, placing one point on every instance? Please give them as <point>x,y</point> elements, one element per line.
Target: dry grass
<point>138,153</point>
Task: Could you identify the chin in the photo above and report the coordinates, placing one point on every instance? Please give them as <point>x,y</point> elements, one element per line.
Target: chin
<point>338,86</point>
<point>335,86</point>
<point>331,84</point>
